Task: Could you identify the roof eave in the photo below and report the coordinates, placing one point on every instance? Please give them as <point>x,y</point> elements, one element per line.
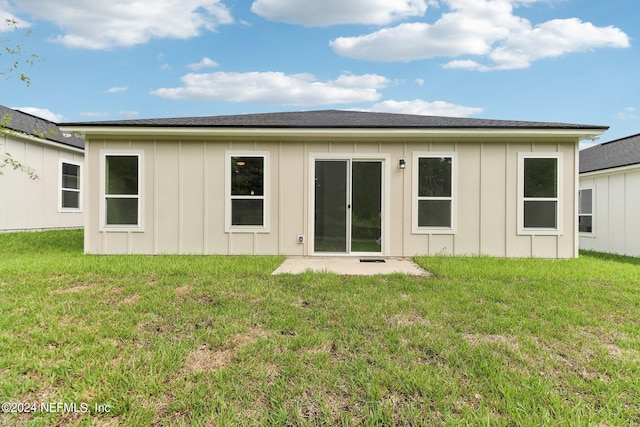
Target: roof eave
<point>610,170</point>
<point>268,132</point>
<point>43,141</point>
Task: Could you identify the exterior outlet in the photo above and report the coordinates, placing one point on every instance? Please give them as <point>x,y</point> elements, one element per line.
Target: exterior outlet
<point>300,238</point>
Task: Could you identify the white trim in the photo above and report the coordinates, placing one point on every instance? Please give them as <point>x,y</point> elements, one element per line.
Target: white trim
<point>385,187</point>
<point>80,165</point>
<point>17,135</point>
<point>559,199</point>
<point>611,171</point>
<point>139,227</point>
<point>592,234</point>
<point>184,131</point>
<point>415,229</point>
<point>265,227</point>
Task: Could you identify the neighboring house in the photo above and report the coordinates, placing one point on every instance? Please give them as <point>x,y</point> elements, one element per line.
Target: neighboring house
<point>332,182</point>
<point>610,197</point>
<point>54,200</point>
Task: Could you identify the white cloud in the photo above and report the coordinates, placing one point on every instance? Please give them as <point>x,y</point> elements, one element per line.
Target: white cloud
<point>91,24</point>
<point>555,38</point>
<point>425,108</point>
<point>204,63</point>
<point>629,113</point>
<point>276,88</point>
<point>117,89</point>
<point>42,112</point>
<point>484,28</point>
<point>95,114</point>
<point>128,113</point>
<point>321,13</point>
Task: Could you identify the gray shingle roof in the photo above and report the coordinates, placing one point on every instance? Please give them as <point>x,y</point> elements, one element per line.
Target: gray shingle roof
<point>612,154</point>
<point>31,125</point>
<point>333,119</point>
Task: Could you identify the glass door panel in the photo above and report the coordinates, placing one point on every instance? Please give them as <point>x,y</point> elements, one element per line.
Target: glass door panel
<point>330,233</point>
<point>366,206</point>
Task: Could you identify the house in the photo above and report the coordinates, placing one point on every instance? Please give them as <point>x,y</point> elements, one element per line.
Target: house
<point>609,197</point>
<point>54,199</point>
<point>332,183</point>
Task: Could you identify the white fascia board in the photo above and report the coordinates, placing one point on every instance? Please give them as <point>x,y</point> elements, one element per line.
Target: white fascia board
<point>46,142</point>
<point>611,171</point>
<point>186,131</point>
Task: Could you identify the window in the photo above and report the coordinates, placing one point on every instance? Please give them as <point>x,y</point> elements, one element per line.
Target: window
<point>247,192</point>
<point>121,202</point>
<point>69,195</point>
<point>434,187</point>
<point>539,187</point>
<point>585,211</point>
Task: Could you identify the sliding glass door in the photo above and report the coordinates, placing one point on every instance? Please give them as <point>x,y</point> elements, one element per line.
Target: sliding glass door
<point>348,206</point>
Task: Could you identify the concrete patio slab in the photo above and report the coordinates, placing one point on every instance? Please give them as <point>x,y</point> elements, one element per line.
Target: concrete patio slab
<point>353,266</point>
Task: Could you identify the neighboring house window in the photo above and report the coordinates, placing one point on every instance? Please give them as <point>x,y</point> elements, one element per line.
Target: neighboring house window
<point>247,191</point>
<point>70,178</point>
<point>585,210</point>
<point>121,201</point>
<point>539,189</point>
<point>434,192</point>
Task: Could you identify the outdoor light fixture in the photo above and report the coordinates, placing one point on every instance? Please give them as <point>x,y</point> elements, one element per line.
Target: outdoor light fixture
<point>402,164</point>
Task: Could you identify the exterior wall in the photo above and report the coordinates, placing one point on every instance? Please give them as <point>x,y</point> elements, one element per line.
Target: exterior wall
<point>616,228</point>
<point>27,204</point>
<point>184,197</point>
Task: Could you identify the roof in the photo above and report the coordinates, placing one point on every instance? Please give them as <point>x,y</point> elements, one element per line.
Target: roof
<point>612,154</point>
<point>19,121</point>
<point>334,119</point>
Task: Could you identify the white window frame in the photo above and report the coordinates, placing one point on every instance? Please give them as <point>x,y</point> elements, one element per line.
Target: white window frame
<point>264,228</point>
<point>416,198</point>
<point>61,188</point>
<point>592,233</point>
<point>559,199</point>
<point>139,227</point>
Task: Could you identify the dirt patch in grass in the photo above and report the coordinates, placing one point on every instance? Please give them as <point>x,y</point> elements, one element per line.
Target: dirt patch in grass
<point>609,341</point>
<point>184,290</point>
<point>207,358</point>
<point>312,406</point>
<point>475,339</point>
<point>130,299</point>
<point>72,290</point>
<point>406,319</point>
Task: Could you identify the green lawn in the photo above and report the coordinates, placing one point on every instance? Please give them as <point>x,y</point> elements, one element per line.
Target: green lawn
<point>198,340</point>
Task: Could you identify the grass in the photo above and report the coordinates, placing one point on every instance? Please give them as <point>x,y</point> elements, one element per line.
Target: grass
<point>193,340</point>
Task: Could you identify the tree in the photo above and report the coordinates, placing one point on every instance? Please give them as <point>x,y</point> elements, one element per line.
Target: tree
<point>18,56</point>
<point>15,52</point>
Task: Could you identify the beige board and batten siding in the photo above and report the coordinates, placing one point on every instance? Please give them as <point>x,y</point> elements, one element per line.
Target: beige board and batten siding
<point>616,228</point>
<point>487,202</point>
<point>34,204</point>
<point>184,196</point>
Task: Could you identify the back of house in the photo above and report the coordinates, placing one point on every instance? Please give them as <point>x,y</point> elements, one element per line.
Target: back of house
<point>332,183</point>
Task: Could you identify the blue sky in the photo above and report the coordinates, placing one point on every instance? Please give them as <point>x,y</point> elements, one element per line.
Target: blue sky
<point>570,61</point>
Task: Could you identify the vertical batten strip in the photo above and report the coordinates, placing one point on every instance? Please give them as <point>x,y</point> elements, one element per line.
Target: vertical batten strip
<point>205,201</point>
